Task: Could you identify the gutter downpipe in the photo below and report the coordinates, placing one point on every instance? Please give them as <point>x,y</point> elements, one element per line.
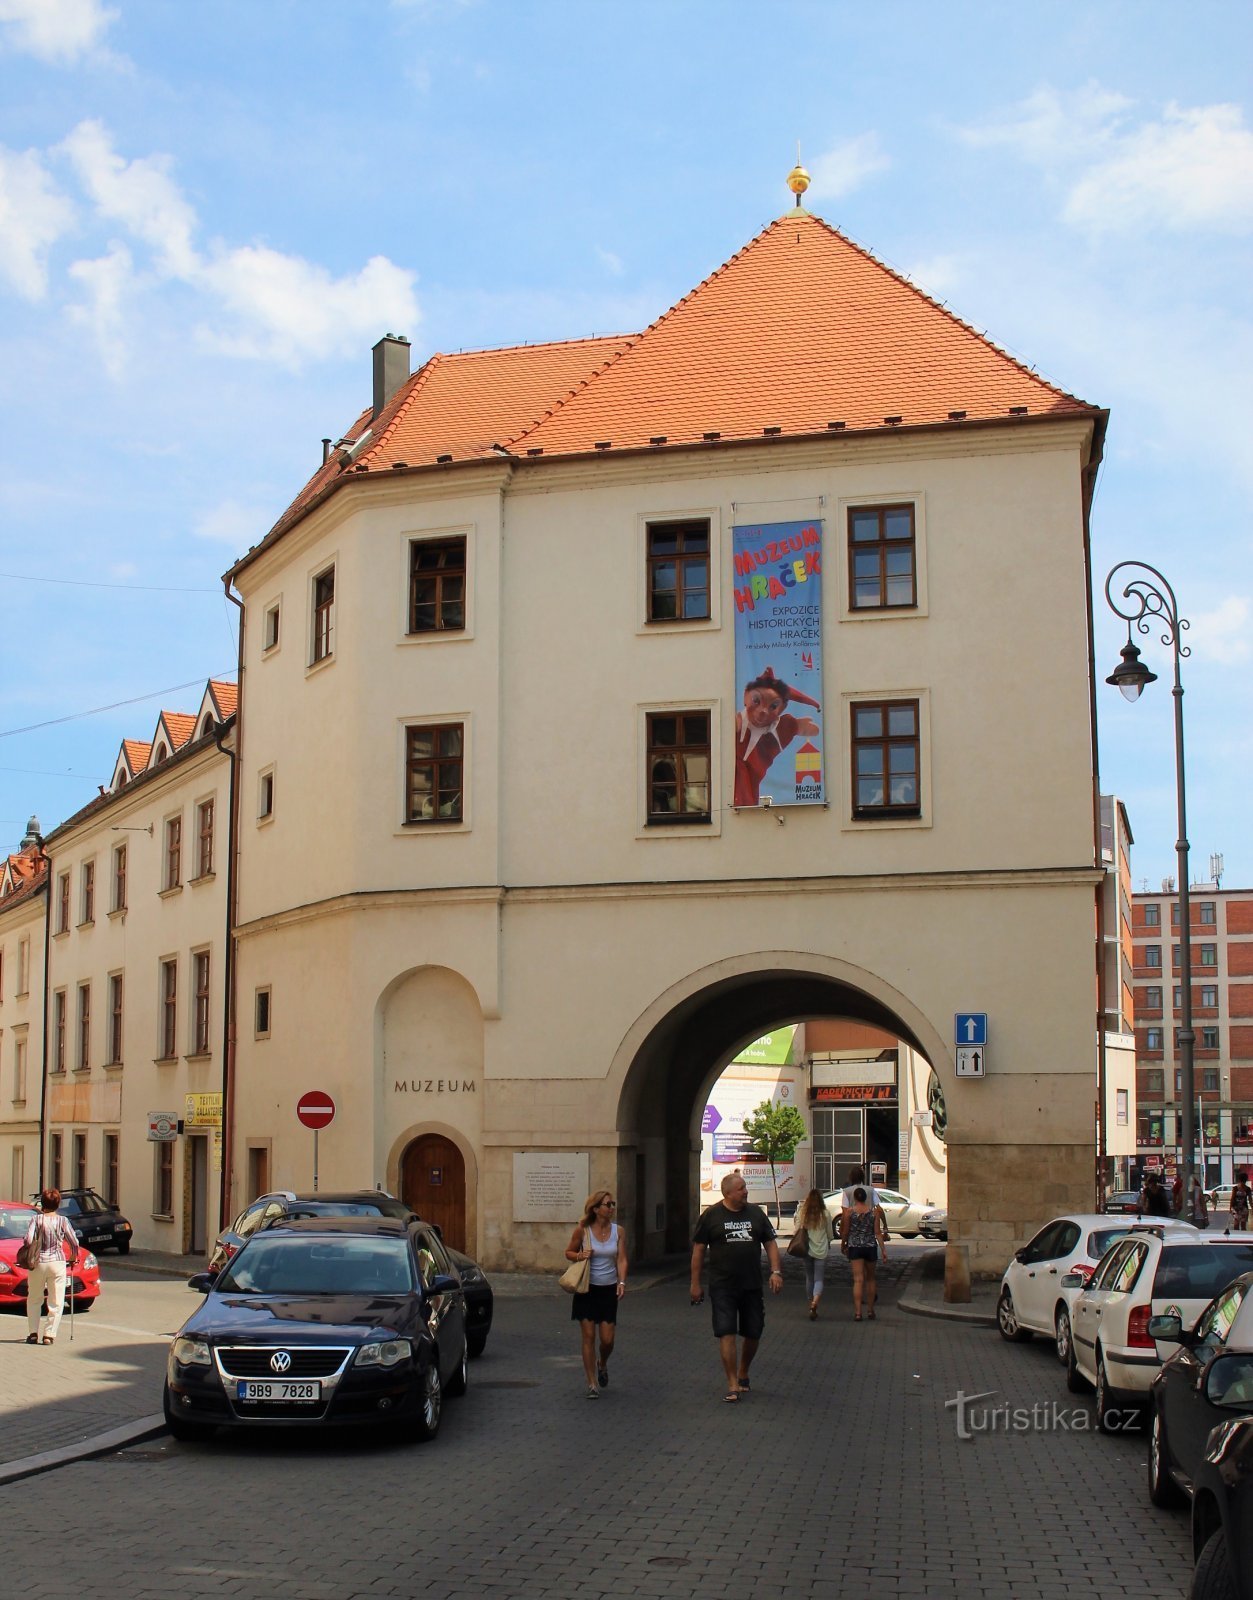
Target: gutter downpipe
<point>43,1086</point>
<point>229,1007</point>
<point>1089,473</point>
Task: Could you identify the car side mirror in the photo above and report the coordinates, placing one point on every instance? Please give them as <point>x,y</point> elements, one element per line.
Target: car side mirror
<point>1020,1256</point>
<point>1073,1280</point>
<point>443,1283</point>
<point>1167,1328</point>
<point>1229,1382</point>
<point>202,1282</point>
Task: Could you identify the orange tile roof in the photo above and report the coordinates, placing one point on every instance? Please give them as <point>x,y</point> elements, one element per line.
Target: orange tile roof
<point>800,329</point>
<point>181,725</point>
<point>137,753</point>
<point>460,405</point>
<point>26,870</point>
<point>226,695</point>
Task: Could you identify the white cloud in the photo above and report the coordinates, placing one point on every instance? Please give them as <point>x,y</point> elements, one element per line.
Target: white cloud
<point>846,166</point>
<point>56,31</point>
<point>1192,168</point>
<point>140,194</point>
<point>611,262</point>
<point>233,523</point>
<point>33,216</point>
<point>294,310</point>
<point>106,281</point>
<point>1222,634</point>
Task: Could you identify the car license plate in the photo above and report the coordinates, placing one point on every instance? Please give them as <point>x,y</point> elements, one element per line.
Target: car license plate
<point>307,1393</point>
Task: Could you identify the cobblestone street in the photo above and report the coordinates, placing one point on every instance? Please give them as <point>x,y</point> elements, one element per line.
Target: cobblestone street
<point>656,1489</point>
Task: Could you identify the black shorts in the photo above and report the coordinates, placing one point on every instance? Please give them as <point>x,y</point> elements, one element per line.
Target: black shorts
<point>741,1311</point>
<point>599,1304</point>
<point>862,1252</point>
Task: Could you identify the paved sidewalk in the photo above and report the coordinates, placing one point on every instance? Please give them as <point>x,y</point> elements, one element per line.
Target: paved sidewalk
<point>923,1294</point>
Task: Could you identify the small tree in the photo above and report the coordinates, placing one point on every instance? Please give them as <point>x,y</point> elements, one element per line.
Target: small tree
<point>774,1131</point>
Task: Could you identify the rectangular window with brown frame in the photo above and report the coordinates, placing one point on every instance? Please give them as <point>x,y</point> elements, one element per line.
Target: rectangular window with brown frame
<point>434,773</point>
<point>63,903</point>
<point>115,1020</point>
<point>678,571</point>
<point>679,767</point>
<point>82,1062</point>
<point>112,1150</point>
<point>262,1019</point>
<point>1,976</point>
<point>163,1179</point>
<point>54,1161</point>
<point>23,966</point>
<point>437,585</point>
<point>58,1030</point>
<point>119,877</point>
<point>204,839</point>
<point>169,1010</point>
<point>200,977</point>
<point>886,754</point>
<point>323,615</point>
<point>173,852</point>
<point>269,628</point>
<point>78,1164</point>
<point>882,572</point>
<point>89,891</point>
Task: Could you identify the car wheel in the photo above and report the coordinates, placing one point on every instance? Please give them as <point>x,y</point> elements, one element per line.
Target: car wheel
<point>1007,1320</point>
<point>184,1432</point>
<point>1062,1334</point>
<point>460,1378</point>
<point>1075,1380</point>
<point>1212,1579</point>
<point>124,1248</point>
<point>430,1402</point>
<point>1163,1490</point>
<point>476,1343</point>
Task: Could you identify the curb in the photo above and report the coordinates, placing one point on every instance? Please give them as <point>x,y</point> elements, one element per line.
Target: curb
<point>99,1445</point>
<point>151,1269</point>
<point>916,1306</point>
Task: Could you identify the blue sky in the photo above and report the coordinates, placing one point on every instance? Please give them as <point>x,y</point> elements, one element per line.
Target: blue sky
<point>209,213</point>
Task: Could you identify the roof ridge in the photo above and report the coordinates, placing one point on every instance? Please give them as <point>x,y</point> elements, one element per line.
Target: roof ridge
<point>408,393</point>
<point>938,305</point>
<point>637,338</point>
<point>536,344</point>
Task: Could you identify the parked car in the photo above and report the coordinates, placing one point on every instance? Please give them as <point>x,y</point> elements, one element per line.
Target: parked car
<point>902,1215</point>
<point>275,1207</point>
<point>98,1224</point>
<point>1222,1514</point>
<point>1032,1299</point>
<point>322,1321</point>
<point>934,1224</point>
<point>1145,1275</point>
<point>1122,1200</point>
<point>1209,1376</point>
<point>84,1280</point>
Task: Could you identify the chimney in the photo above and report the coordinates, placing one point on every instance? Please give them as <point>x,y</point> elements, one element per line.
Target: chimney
<point>391,368</point>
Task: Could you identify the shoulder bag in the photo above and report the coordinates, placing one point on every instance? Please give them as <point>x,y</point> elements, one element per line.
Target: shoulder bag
<point>798,1244</point>
<point>29,1250</point>
<point>577,1277</point>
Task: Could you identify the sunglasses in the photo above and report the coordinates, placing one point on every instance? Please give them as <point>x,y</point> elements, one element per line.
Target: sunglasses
<point>612,1204</point>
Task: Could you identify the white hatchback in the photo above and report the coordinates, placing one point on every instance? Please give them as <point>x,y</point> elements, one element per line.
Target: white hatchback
<point>1032,1299</point>
<point>1174,1271</point>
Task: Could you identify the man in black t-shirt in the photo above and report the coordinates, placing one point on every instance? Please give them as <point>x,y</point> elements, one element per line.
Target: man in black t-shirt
<point>733,1234</point>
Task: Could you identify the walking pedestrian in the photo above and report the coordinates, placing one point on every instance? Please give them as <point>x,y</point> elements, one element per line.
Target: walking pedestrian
<point>857,1179</point>
<point>865,1240</point>
<point>1239,1206</point>
<point>598,1238</point>
<point>48,1277</point>
<point>733,1233</point>
<point>1153,1198</point>
<point>1198,1207</point>
<point>813,1219</point>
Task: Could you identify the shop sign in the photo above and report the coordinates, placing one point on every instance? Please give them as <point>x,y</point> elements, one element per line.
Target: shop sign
<point>162,1126</point>
<point>858,1093</point>
<point>202,1111</point>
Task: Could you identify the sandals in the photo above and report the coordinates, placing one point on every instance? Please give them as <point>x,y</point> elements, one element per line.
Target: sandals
<point>731,1398</point>
<point>32,1338</point>
<point>870,1315</point>
<point>47,1340</point>
<point>745,1386</point>
<point>813,1313</point>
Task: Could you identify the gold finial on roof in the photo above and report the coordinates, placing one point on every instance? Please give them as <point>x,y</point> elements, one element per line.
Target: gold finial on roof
<point>798,178</point>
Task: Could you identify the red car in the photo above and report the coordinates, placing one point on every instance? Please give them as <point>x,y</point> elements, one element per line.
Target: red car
<point>15,1218</point>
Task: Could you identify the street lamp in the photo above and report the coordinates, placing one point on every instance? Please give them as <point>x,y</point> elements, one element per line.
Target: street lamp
<point>1147,599</point>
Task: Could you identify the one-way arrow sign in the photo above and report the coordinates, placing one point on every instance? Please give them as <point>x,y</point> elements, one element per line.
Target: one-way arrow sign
<point>970,1027</point>
<point>970,1060</point>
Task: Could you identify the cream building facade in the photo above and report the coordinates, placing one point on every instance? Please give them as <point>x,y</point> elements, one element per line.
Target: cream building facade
<point>23,908</point>
<point>136,981</point>
<point>462,910</point>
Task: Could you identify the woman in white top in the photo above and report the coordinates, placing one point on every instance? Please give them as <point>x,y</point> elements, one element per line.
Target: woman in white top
<point>599,1238</point>
<point>48,1278</point>
<point>813,1217</point>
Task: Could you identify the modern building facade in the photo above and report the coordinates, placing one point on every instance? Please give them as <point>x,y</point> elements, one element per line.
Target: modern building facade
<point>1222,1012</point>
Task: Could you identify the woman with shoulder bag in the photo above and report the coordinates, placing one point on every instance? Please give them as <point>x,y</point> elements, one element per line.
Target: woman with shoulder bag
<point>814,1221</point>
<point>51,1233</point>
<point>600,1240</point>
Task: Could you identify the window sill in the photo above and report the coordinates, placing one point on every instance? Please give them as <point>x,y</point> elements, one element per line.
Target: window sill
<point>165,1061</point>
<point>265,820</point>
<point>437,636</point>
<point>319,666</point>
<point>162,1216</point>
<point>419,823</point>
<point>118,914</point>
<point>80,1072</point>
<point>114,1066</point>
<point>199,1055</point>
<point>61,933</point>
<point>205,877</point>
<point>170,889</point>
<point>19,1105</point>
<point>87,922</point>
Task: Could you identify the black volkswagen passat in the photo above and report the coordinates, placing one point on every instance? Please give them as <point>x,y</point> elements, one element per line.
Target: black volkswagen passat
<point>317,1322</point>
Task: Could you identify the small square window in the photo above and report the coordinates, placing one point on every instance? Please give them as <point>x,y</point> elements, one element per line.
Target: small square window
<point>1153,997</point>
<point>1209,994</point>
<point>1209,1080</point>
<point>1152,955</point>
<point>886,756</point>
<point>881,558</point>
<point>678,571</point>
<point>437,585</point>
<point>1209,1038</point>
<point>1209,955</point>
<point>1209,914</point>
<point>678,767</point>
<point>1153,1039</point>
<point>434,773</point>
<point>269,628</point>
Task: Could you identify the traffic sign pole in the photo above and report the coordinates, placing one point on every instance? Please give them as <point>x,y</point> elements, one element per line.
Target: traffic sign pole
<point>315,1161</point>
<point>315,1110</point>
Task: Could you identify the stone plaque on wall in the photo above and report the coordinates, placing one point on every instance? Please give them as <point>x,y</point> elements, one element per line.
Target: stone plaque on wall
<point>549,1185</point>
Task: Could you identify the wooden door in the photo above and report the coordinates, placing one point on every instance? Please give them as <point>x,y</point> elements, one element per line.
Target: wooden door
<point>433,1182</point>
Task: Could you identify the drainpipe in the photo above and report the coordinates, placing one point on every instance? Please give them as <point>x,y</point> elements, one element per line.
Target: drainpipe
<point>229,1006</point>
<point>1088,476</point>
<point>43,1085</point>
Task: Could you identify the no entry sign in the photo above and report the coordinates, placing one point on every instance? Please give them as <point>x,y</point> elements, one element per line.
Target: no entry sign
<point>316,1109</point>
